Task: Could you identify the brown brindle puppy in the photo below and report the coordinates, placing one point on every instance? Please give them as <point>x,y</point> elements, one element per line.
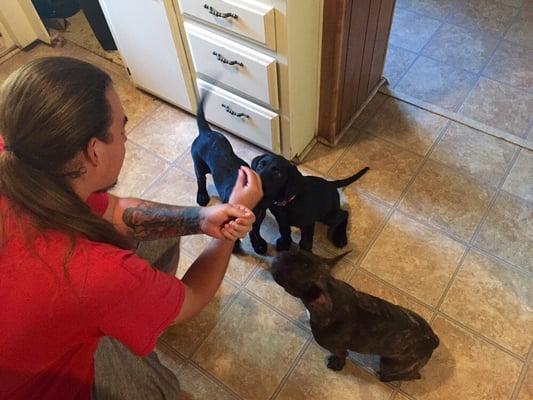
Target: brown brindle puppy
<point>343,318</point>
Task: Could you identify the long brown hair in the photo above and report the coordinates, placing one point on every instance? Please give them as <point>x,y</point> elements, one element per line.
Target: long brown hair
<point>49,110</point>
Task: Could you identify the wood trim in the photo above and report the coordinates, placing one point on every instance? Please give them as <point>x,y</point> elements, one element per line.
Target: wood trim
<point>368,52</point>
<point>357,37</point>
<point>382,38</point>
<point>336,20</point>
<point>354,45</point>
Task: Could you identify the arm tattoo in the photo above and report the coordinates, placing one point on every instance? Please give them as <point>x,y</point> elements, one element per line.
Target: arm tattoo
<point>151,221</point>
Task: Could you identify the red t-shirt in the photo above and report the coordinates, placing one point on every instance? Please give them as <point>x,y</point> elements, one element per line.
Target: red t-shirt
<point>50,324</point>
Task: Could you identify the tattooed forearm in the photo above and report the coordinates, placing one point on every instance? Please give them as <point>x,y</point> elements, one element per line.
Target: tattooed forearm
<point>151,221</point>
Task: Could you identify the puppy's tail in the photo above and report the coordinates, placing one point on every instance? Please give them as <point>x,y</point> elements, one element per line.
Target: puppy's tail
<point>345,182</point>
<point>203,126</point>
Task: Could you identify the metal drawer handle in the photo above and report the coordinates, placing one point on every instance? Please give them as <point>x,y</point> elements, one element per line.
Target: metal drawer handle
<point>236,114</point>
<point>224,60</point>
<point>218,14</point>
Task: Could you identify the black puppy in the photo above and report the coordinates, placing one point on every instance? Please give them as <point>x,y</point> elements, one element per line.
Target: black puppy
<point>297,200</point>
<point>343,318</point>
<point>212,154</point>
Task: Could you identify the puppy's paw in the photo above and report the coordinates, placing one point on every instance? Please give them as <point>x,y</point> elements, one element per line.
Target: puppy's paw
<point>202,199</point>
<point>259,244</point>
<point>335,363</point>
<point>339,239</point>
<point>237,248</point>
<point>283,244</point>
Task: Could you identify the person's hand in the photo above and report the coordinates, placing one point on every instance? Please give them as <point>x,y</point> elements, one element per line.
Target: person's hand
<point>248,190</point>
<point>226,221</point>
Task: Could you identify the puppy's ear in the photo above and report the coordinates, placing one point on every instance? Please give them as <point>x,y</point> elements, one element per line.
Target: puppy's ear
<point>294,182</point>
<point>319,302</point>
<point>255,161</point>
<point>331,262</point>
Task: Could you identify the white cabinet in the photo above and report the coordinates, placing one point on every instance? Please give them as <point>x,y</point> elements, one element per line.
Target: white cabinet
<point>148,38</point>
<point>244,118</point>
<point>262,54</point>
<point>259,58</point>
<point>240,67</point>
<point>250,19</point>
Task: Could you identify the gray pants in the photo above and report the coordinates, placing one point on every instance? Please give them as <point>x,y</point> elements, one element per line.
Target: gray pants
<point>119,374</point>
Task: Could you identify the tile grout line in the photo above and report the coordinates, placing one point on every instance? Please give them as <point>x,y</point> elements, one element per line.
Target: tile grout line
<point>440,163</point>
<point>529,132</point>
<point>156,181</point>
<point>151,152</point>
<point>390,286</point>
<point>495,196</point>
<point>291,369</point>
<point>159,156</point>
<point>387,218</point>
<point>381,227</point>
<point>223,311</point>
<point>449,284</point>
<point>445,21</point>
<point>510,265</point>
<point>405,394</point>
<point>402,75</point>
<point>414,11</point>
<point>214,379</point>
<point>468,249</point>
<point>239,285</point>
<point>433,36</point>
<point>483,67</point>
<point>473,236</point>
<point>481,337</point>
<point>459,118</point>
<point>221,315</point>
<point>522,375</point>
<point>479,74</point>
<point>486,64</point>
<point>276,310</point>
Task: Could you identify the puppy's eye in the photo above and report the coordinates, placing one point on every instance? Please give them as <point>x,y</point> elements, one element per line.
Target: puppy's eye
<point>276,173</point>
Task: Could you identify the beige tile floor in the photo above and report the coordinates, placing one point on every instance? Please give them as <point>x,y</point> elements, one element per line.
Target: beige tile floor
<point>472,57</point>
<point>79,31</point>
<point>442,224</point>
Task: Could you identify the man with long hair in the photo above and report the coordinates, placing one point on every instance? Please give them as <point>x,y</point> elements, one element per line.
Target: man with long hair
<point>80,312</point>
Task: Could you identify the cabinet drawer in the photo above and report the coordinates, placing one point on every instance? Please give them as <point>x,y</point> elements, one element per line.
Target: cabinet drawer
<point>233,64</point>
<point>241,117</point>
<point>247,18</point>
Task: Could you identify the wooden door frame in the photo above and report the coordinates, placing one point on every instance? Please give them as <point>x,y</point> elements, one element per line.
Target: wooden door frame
<point>334,49</point>
<point>354,43</point>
